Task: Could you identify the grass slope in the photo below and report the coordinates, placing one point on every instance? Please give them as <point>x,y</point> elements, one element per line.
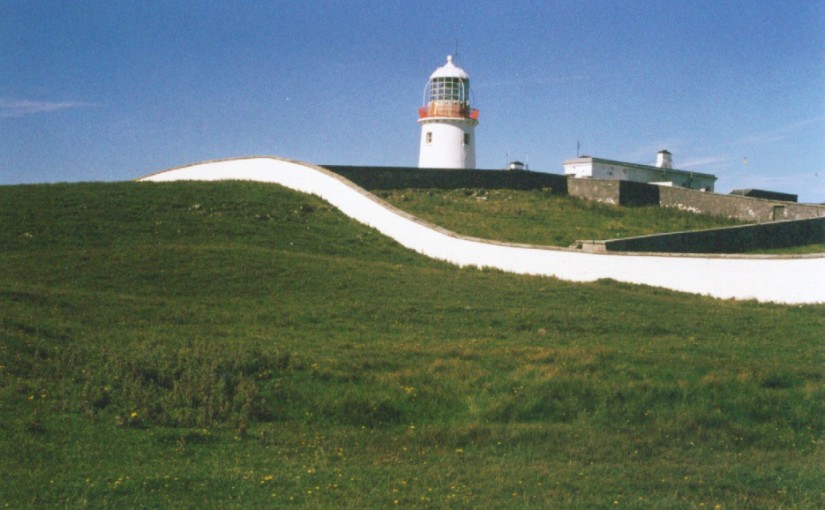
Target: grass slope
<point>539,217</point>
<point>236,345</point>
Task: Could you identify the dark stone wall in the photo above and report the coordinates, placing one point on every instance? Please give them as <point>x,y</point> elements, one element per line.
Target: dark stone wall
<point>386,178</point>
<point>732,206</point>
<point>638,193</point>
<point>595,189</point>
<point>781,234</point>
<point>749,209</point>
<point>767,235</point>
<point>761,193</point>
<point>626,193</point>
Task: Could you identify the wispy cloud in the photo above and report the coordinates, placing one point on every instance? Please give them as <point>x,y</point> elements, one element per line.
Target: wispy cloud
<point>724,159</point>
<point>22,107</point>
<point>779,133</point>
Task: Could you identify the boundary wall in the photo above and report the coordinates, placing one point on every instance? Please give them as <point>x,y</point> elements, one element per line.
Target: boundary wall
<point>749,209</point>
<point>762,236</point>
<point>734,206</point>
<point>625,193</point>
<point>616,192</point>
<point>782,279</point>
<point>387,178</point>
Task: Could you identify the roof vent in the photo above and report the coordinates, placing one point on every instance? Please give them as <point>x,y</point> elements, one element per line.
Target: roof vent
<point>664,159</point>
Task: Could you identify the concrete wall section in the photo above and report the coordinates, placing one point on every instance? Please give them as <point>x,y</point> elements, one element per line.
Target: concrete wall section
<point>780,234</point>
<point>385,178</point>
<point>777,279</point>
<point>731,206</point>
<point>626,193</point>
<point>770,195</point>
<point>594,189</point>
<point>755,210</point>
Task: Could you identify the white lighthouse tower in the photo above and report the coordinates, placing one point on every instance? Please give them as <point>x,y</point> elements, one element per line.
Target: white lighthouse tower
<point>447,120</point>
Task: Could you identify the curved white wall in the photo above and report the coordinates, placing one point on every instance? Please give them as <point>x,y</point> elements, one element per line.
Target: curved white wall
<point>776,279</point>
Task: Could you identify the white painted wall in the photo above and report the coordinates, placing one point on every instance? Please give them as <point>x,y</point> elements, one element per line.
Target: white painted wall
<point>616,171</point>
<point>578,170</point>
<point>447,148</point>
<point>776,279</point>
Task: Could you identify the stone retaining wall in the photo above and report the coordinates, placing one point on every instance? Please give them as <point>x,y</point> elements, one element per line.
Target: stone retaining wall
<point>626,193</point>
<point>742,239</point>
<point>756,210</point>
<point>733,206</point>
<point>374,178</point>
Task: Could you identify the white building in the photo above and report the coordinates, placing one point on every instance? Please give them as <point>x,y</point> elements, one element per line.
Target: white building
<point>447,120</point>
<point>662,174</point>
<point>517,165</point>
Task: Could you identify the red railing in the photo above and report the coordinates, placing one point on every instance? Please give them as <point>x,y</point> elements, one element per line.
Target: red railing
<point>450,110</point>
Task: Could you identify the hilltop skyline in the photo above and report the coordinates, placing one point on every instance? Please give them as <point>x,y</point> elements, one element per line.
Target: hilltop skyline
<point>116,90</point>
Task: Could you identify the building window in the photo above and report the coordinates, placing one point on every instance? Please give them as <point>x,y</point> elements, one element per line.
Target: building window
<point>429,137</point>
<point>466,138</point>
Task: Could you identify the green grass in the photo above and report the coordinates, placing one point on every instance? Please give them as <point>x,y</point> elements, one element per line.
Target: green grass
<point>236,345</point>
<point>539,217</point>
<point>796,250</point>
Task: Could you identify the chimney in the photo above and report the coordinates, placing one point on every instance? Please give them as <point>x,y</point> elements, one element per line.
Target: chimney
<point>664,159</point>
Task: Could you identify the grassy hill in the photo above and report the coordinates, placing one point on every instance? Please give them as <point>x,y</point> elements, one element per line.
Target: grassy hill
<point>539,217</point>
<point>236,345</point>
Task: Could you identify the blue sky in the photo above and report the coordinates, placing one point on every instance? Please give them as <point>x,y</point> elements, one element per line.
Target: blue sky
<point>111,90</point>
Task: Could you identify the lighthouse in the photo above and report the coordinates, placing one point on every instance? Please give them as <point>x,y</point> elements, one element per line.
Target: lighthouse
<point>447,120</point>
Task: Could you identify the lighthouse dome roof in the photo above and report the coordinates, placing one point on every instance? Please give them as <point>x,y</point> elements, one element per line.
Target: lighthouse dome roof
<point>449,70</point>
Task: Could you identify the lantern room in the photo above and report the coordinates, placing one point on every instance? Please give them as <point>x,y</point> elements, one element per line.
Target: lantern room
<point>447,94</point>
